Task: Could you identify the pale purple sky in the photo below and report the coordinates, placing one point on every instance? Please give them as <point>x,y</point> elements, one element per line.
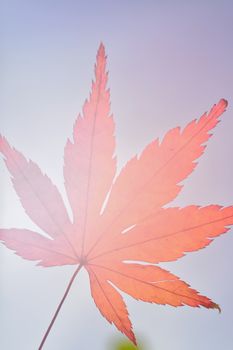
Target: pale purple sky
<point>169,61</point>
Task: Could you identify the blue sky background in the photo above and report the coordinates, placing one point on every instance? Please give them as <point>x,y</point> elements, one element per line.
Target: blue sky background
<point>169,61</point>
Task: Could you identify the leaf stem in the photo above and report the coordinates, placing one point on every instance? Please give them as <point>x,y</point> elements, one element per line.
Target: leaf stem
<point>59,307</point>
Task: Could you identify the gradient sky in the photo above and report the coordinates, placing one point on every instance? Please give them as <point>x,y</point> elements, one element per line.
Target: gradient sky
<point>169,61</point>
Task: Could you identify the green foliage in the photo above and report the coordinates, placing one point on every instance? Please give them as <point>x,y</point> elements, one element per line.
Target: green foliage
<point>125,345</point>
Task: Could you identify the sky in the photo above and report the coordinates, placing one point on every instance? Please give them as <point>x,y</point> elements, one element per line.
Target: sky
<point>168,62</point>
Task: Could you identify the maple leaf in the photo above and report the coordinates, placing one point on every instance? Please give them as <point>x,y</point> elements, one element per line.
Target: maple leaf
<point>117,218</point>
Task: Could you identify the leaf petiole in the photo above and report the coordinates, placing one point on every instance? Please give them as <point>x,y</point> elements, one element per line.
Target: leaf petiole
<point>59,307</point>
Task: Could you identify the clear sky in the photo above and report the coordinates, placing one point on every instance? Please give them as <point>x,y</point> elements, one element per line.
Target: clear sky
<point>169,61</point>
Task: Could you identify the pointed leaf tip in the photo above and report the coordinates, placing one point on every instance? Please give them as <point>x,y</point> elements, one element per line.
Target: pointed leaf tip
<point>3,142</point>
<point>223,102</point>
<point>101,50</point>
<point>216,306</point>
